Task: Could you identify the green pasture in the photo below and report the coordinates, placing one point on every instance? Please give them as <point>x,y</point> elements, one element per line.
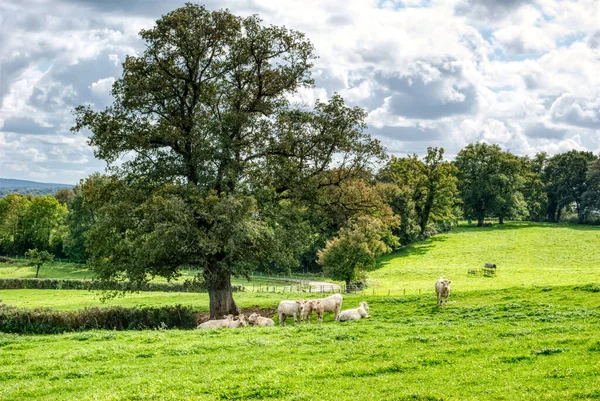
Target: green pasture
<point>507,344</point>
<point>527,254</point>
<point>65,270</point>
<point>530,333</point>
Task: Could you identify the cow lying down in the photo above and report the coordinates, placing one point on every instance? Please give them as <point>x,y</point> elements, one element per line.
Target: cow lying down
<point>256,320</point>
<point>228,322</point>
<point>362,312</point>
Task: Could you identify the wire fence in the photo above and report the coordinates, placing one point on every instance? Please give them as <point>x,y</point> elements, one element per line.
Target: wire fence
<point>331,289</point>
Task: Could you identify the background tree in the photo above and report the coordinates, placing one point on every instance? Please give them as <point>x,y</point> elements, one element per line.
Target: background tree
<point>204,113</point>
<point>427,192</point>
<point>591,197</point>
<point>534,188</point>
<point>45,225</point>
<point>566,181</point>
<point>64,196</point>
<point>82,215</point>
<point>38,259</point>
<point>488,180</point>
<point>355,249</point>
<point>13,224</point>
<point>509,201</point>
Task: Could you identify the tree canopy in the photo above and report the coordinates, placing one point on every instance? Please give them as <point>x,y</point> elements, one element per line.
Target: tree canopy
<point>213,142</point>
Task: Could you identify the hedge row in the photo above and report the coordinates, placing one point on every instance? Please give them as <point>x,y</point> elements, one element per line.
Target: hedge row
<point>49,321</point>
<point>70,284</point>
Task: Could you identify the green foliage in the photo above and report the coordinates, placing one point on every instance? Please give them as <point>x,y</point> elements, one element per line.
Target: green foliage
<point>31,222</point>
<point>38,258</point>
<point>65,196</point>
<point>72,284</point>
<point>590,202</point>
<point>566,177</point>
<point>49,321</point>
<point>534,188</point>
<point>426,194</point>
<point>204,114</point>
<point>489,181</point>
<point>82,215</point>
<point>355,250</point>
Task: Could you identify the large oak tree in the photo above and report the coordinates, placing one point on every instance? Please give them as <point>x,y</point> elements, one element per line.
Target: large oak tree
<point>211,147</point>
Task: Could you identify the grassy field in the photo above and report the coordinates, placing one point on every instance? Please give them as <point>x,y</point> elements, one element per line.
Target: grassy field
<point>512,344</point>
<point>66,270</point>
<point>530,333</point>
<point>526,254</point>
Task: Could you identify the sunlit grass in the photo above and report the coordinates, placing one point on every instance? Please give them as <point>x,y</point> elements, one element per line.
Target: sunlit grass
<point>510,344</point>
<point>527,254</point>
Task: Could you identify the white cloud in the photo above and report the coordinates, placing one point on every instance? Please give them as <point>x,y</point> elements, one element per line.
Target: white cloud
<point>522,73</point>
<point>102,87</point>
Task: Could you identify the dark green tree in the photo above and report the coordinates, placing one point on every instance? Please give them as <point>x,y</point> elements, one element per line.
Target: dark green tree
<point>82,215</point>
<point>566,177</point>
<point>534,188</point>
<point>591,197</point>
<point>205,117</point>
<point>488,181</point>
<point>427,192</point>
<point>64,196</point>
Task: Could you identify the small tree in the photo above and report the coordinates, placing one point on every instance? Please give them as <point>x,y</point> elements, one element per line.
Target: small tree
<point>355,250</point>
<point>38,259</point>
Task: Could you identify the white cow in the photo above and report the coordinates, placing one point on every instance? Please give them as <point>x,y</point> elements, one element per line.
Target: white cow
<point>289,308</point>
<point>362,312</point>
<point>332,303</point>
<point>240,322</point>
<point>442,290</point>
<point>213,324</point>
<point>256,320</point>
<point>309,307</point>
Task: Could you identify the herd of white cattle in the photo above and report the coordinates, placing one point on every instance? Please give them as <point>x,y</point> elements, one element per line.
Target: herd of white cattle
<point>303,309</point>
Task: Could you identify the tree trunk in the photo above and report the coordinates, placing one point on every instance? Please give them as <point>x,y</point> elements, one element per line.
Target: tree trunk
<point>219,292</point>
<point>348,289</point>
<point>552,213</point>
<point>37,271</point>
<point>580,214</point>
<point>558,213</point>
<point>480,217</point>
<point>501,220</point>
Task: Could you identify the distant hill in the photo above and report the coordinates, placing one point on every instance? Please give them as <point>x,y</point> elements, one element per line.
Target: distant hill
<point>19,184</point>
<point>10,186</point>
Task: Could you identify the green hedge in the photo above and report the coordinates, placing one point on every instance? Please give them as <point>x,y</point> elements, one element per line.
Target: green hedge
<point>49,321</point>
<point>69,284</point>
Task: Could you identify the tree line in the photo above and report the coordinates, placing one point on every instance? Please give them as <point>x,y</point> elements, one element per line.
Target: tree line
<point>220,169</point>
<point>347,226</point>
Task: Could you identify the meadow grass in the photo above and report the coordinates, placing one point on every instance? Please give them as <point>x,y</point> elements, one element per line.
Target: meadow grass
<point>509,344</point>
<point>530,333</point>
<point>527,254</point>
<point>66,270</point>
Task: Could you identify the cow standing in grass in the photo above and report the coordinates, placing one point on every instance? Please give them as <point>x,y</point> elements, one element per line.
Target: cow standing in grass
<point>442,290</point>
<point>332,303</point>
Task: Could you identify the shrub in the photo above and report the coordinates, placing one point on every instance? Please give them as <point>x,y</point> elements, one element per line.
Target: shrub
<point>49,321</point>
<point>69,284</point>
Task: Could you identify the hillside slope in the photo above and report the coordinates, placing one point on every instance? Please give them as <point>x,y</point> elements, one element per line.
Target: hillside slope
<point>527,254</point>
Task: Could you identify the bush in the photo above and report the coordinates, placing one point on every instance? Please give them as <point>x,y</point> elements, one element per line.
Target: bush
<point>69,284</point>
<point>49,321</point>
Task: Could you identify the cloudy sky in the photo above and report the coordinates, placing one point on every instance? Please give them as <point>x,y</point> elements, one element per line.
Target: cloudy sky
<point>521,73</point>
